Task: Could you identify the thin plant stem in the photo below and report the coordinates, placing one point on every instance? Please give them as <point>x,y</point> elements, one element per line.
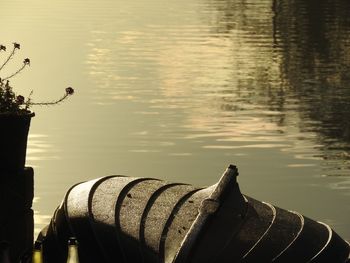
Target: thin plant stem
<point>8,58</point>
<point>10,102</point>
<point>52,102</point>
<point>17,72</point>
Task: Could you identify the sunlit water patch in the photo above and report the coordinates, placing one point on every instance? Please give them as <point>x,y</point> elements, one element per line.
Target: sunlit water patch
<point>179,90</point>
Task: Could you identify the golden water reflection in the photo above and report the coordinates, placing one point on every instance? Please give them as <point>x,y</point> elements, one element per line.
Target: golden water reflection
<point>39,149</point>
<point>165,89</point>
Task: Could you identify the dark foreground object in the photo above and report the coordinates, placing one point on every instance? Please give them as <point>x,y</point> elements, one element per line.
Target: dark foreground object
<point>16,214</point>
<point>127,219</point>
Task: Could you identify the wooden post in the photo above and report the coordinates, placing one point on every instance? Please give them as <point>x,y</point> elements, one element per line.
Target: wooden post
<point>16,214</point>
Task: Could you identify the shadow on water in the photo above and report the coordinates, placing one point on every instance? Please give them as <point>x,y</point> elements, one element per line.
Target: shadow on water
<point>301,62</point>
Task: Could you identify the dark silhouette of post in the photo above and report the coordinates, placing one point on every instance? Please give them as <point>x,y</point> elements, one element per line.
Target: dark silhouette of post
<point>16,214</point>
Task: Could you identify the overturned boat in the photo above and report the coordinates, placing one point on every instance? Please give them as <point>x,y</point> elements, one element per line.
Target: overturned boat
<point>128,219</point>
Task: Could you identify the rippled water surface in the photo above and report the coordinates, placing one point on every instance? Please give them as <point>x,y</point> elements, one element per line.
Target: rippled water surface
<point>180,89</point>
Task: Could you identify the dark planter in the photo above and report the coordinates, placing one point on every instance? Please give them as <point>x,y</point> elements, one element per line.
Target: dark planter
<point>14,130</point>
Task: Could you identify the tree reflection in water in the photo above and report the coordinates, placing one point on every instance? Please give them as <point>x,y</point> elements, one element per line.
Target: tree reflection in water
<point>301,57</point>
<point>315,45</point>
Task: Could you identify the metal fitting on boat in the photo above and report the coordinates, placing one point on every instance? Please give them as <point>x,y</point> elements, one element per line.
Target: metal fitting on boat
<point>128,219</point>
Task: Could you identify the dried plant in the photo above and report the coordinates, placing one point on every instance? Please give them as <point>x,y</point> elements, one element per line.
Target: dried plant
<point>12,103</point>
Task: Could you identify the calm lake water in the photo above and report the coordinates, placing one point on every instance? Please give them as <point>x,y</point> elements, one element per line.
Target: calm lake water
<point>178,90</point>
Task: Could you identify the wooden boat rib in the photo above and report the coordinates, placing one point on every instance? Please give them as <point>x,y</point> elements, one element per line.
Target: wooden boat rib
<point>128,219</point>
